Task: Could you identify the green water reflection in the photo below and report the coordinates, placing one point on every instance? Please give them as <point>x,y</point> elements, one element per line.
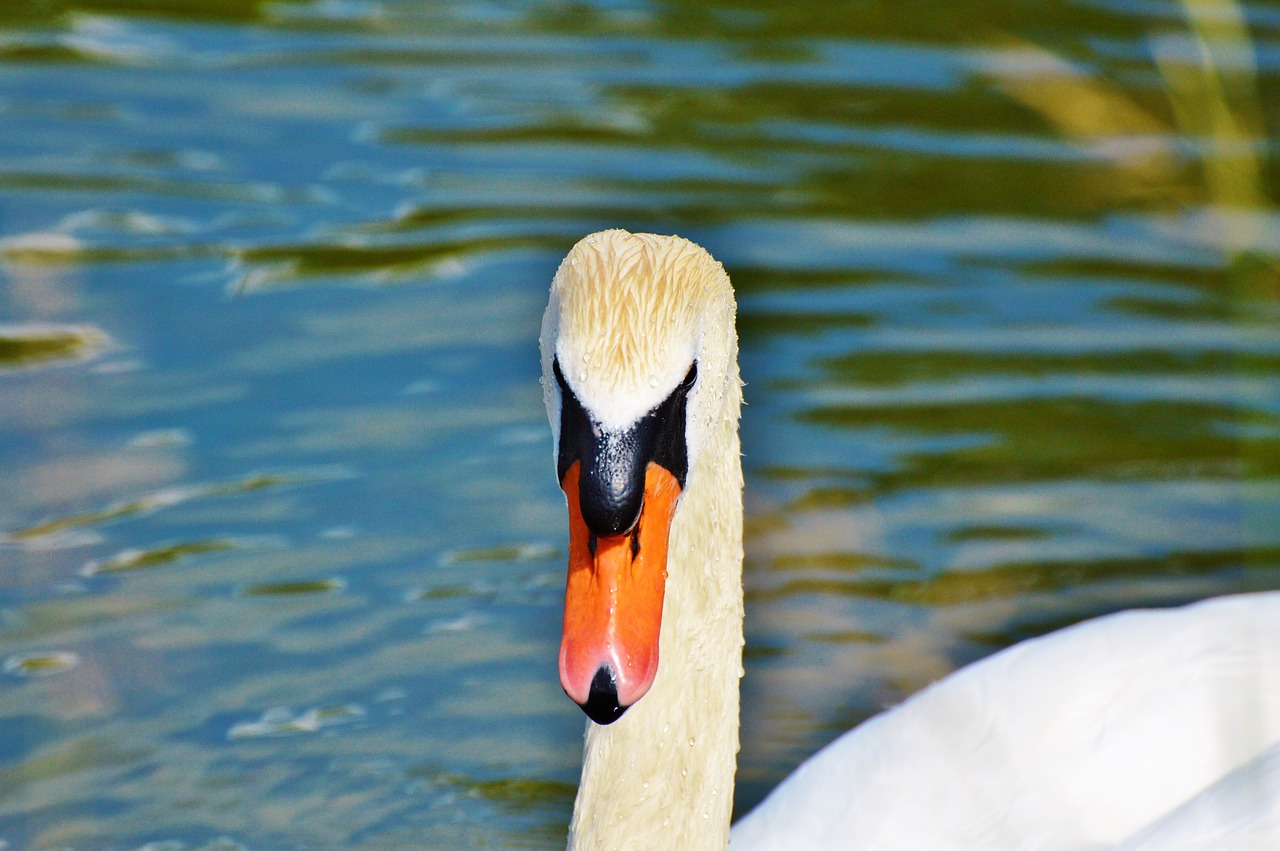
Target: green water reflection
<point>27,346</point>
<point>281,550</point>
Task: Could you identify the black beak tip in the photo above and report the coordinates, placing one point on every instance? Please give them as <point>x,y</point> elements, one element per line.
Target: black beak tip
<point>602,701</point>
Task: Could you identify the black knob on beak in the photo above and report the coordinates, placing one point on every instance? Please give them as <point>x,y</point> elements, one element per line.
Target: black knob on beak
<point>611,488</point>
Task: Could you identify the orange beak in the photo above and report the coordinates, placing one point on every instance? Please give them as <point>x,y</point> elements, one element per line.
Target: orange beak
<point>613,600</point>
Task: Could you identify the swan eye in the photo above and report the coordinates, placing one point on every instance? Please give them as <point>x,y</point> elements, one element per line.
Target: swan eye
<point>690,379</point>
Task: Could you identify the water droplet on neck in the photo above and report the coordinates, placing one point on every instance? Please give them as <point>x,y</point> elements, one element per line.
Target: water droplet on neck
<point>653,381</point>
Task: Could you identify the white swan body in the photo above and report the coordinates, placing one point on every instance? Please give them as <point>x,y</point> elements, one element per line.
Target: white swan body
<point>1145,730</point>
<point>1110,734</point>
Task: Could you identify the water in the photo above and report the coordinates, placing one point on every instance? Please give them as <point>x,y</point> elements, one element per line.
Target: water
<point>283,549</point>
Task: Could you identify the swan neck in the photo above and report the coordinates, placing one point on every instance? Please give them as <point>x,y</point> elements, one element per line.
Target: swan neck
<point>665,769</point>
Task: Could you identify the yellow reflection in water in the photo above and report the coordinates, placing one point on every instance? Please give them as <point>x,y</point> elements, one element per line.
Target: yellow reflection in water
<point>1211,84</point>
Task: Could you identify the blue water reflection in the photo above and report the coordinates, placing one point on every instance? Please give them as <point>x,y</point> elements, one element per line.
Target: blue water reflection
<point>281,551</point>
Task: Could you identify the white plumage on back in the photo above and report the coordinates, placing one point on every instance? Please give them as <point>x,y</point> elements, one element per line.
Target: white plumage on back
<point>1098,736</point>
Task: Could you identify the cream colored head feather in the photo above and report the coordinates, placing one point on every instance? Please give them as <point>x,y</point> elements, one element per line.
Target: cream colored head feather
<point>628,315</point>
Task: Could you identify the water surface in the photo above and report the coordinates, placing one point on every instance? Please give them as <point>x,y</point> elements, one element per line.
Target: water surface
<point>282,549</point>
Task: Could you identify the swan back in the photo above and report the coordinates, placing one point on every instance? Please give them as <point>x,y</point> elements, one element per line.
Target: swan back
<point>1083,739</point>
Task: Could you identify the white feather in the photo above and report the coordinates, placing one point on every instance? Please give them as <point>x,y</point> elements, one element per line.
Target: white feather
<point>1142,730</point>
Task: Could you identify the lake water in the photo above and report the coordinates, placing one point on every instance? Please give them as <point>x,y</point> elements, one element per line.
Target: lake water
<point>283,550</point>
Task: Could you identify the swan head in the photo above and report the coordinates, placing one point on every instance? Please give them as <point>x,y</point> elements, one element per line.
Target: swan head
<point>638,352</point>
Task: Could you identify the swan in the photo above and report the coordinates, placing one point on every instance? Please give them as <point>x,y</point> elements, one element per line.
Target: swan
<point>1143,730</point>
